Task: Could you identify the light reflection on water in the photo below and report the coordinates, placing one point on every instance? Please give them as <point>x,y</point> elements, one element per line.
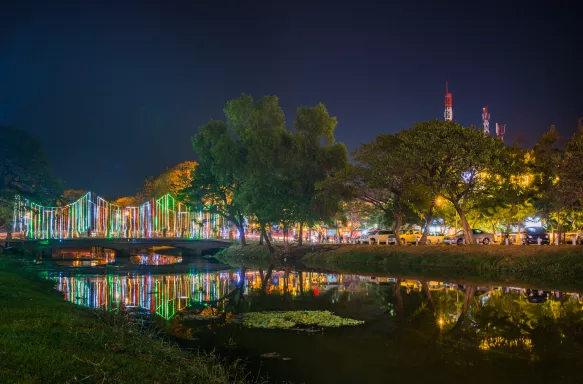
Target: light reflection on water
<point>92,257</point>
<point>488,333</point>
<point>99,256</point>
<point>154,259</point>
<point>166,294</point>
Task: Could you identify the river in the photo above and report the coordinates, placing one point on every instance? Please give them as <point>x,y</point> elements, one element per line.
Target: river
<point>414,329</point>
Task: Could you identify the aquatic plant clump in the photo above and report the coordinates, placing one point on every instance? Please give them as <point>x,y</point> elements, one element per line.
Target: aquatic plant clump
<point>292,318</point>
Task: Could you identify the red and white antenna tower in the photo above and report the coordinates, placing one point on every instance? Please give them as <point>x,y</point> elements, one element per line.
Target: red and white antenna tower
<point>486,120</point>
<point>448,114</point>
<point>500,131</point>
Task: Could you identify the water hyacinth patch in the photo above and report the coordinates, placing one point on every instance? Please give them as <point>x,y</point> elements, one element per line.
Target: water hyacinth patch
<point>292,318</point>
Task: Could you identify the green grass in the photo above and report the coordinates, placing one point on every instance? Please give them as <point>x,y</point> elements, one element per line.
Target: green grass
<point>236,254</point>
<point>549,264</point>
<point>44,339</point>
<point>249,252</point>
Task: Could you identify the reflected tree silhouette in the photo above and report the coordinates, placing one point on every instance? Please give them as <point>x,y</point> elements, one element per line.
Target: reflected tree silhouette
<point>463,317</point>
<point>427,292</point>
<point>399,305</point>
<point>265,277</point>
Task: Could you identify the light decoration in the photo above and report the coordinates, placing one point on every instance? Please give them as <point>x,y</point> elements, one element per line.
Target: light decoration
<point>164,295</point>
<point>93,216</point>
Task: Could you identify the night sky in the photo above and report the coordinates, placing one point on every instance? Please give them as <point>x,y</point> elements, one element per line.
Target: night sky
<point>116,92</point>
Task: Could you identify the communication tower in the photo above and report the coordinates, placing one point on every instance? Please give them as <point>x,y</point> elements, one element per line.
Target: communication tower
<point>486,120</point>
<point>448,114</point>
<point>500,131</point>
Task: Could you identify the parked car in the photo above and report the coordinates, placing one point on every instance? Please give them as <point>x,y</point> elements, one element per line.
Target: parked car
<point>482,237</point>
<point>380,237</point>
<point>364,237</point>
<point>530,235</point>
<point>578,237</point>
<point>435,238</point>
<point>512,236</point>
<point>406,235</point>
<point>409,235</point>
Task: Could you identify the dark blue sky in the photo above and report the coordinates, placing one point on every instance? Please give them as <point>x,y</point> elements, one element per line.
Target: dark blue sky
<point>116,92</point>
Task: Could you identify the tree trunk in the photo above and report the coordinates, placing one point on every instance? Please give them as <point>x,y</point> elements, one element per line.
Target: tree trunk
<point>476,217</point>
<point>397,227</point>
<point>267,240</point>
<point>260,238</point>
<point>428,221</point>
<point>559,227</point>
<point>468,234</point>
<point>241,229</point>
<point>301,234</point>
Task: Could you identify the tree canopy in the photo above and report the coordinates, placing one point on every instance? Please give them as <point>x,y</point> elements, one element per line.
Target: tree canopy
<point>24,170</point>
<point>252,166</point>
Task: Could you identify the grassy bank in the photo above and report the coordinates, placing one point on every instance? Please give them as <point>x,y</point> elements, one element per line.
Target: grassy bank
<point>541,266</point>
<point>45,339</point>
<point>255,255</point>
<point>562,264</point>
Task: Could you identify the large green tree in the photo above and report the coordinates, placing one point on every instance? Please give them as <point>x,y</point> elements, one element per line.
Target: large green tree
<point>546,162</point>
<point>24,170</point>
<point>216,182</point>
<point>567,189</point>
<point>452,161</point>
<point>266,148</point>
<point>379,178</point>
<point>315,157</point>
<point>510,193</point>
<point>251,166</point>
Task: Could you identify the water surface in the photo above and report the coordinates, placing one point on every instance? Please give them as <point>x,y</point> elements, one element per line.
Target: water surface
<point>415,329</point>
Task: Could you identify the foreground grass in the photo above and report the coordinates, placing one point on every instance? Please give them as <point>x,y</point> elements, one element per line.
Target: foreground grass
<point>45,339</point>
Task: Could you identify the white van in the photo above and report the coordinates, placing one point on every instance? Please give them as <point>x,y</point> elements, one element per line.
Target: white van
<point>380,237</point>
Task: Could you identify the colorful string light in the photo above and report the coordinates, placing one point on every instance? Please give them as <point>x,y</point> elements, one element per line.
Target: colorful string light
<point>93,216</point>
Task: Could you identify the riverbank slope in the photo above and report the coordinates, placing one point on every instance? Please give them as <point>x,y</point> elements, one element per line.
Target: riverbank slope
<point>46,339</point>
<point>547,265</point>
